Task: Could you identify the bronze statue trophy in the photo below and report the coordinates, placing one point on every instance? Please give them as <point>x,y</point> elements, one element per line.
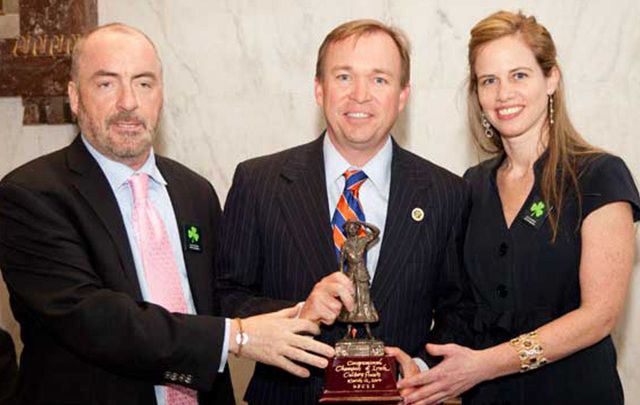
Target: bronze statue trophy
<point>360,372</point>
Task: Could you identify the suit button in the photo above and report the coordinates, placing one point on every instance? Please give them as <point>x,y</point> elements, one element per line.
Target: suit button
<point>503,249</point>
<point>502,291</point>
<point>188,379</point>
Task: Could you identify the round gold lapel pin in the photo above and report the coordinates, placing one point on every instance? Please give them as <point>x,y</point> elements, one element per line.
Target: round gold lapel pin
<point>417,214</point>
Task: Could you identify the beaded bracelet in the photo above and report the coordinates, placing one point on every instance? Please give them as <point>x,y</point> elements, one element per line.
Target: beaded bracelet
<point>530,352</point>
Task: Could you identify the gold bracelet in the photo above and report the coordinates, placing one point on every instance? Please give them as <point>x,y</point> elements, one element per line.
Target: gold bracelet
<point>241,337</point>
<point>530,352</point>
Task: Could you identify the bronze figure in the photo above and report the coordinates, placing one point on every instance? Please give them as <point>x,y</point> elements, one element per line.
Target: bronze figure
<point>353,253</point>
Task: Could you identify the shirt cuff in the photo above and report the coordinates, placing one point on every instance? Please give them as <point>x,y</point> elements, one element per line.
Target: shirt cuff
<point>421,364</point>
<point>225,346</point>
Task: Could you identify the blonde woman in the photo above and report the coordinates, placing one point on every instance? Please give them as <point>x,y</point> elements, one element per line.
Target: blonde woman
<point>550,240</point>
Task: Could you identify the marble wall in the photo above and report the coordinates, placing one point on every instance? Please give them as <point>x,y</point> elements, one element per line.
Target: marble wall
<point>239,83</point>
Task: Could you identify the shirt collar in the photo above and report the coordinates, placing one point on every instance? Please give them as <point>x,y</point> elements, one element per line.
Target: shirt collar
<point>118,173</point>
<point>377,169</point>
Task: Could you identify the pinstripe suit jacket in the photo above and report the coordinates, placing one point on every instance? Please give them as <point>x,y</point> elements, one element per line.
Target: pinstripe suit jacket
<point>276,244</point>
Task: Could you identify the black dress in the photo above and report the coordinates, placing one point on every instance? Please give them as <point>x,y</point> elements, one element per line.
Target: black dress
<point>521,281</point>
<point>8,369</point>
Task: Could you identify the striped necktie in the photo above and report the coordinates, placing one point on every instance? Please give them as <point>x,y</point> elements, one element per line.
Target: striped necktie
<point>348,207</point>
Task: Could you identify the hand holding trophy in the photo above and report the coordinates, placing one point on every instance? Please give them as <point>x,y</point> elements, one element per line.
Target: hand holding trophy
<point>360,372</point>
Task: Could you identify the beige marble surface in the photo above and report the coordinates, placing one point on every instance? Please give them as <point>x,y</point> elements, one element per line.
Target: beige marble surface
<point>239,83</point>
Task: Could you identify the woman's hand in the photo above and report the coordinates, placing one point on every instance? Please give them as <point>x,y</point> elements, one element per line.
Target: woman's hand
<point>408,367</point>
<point>461,369</point>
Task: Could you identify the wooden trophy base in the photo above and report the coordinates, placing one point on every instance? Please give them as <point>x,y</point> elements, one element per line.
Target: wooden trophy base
<point>361,379</point>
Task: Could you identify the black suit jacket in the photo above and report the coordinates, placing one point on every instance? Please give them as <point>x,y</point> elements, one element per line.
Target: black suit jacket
<point>88,336</point>
<point>276,244</point>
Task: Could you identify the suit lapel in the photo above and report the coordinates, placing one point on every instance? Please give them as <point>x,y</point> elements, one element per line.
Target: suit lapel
<point>179,194</point>
<point>94,187</point>
<point>303,200</point>
<point>401,231</point>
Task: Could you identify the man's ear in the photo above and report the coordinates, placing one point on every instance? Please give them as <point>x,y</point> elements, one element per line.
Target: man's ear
<point>404,97</point>
<point>318,91</point>
<point>74,96</point>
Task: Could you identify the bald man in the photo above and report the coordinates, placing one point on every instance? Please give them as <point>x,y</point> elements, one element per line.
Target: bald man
<point>108,249</point>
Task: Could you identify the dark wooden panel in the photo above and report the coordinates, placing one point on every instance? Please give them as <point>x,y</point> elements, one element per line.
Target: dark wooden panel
<point>35,65</point>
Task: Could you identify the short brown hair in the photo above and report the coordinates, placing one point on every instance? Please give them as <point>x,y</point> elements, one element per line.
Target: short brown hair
<point>359,28</point>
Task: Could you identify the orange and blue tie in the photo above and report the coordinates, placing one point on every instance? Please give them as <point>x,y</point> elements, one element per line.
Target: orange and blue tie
<point>348,207</point>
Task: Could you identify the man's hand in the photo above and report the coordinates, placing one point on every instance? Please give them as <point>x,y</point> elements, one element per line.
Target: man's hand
<point>275,338</point>
<point>324,303</point>
<point>461,369</point>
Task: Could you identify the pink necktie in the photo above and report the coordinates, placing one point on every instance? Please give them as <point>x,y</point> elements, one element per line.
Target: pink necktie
<point>160,268</point>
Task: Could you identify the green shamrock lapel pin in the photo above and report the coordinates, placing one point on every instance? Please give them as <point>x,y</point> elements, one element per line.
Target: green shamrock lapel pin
<point>537,213</point>
<point>191,238</point>
<point>193,235</point>
<point>537,209</point>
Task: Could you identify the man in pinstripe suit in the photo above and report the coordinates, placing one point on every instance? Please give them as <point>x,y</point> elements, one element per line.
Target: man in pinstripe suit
<point>276,246</point>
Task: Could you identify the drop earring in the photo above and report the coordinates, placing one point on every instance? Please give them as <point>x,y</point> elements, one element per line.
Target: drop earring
<point>551,110</point>
<point>488,130</point>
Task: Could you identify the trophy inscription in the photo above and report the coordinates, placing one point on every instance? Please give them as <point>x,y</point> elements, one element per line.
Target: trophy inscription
<point>360,372</point>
